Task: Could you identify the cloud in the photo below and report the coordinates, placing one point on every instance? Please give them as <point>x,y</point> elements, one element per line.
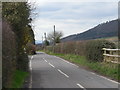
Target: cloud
<point>72,18</point>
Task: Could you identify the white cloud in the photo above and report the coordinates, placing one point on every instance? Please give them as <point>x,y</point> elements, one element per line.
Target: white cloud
<point>71,18</point>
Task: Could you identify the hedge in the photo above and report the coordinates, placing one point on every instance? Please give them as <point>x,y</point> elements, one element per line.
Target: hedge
<point>92,49</point>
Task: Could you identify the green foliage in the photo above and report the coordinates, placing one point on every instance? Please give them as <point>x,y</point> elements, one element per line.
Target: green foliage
<point>30,48</point>
<point>46,42</point>
<point>94,50</point>
<point>8,54</point>
<point>22,62</point>
<point>19,77</point>
<point>91,49</point>
<point>77,48</point>
<point>15,40</point>
<point>19,21</point>
<point>55,36</point>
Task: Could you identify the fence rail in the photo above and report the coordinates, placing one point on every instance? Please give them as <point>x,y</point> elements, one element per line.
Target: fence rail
<point>111,55</point>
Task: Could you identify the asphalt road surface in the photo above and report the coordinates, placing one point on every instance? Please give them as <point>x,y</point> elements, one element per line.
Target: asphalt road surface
<point>49,71</point>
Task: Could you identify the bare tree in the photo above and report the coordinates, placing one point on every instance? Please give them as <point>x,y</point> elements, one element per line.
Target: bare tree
<point>55,36</point>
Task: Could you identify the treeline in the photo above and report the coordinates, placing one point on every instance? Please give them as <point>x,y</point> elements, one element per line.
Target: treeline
<point>91,49</point>
<point>17,39</point>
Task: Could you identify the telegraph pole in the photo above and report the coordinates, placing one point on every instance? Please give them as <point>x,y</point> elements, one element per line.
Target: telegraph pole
<point>45,36</point>
<point>54,40</point>
<point>54,35</point>
<point>45,40</point>
<point>42,41</point>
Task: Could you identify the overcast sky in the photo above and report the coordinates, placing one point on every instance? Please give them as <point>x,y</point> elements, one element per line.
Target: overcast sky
<point>71,17</point>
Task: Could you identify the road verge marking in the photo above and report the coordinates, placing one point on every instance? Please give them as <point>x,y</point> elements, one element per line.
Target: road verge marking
<point>66,61</point>
<point>30,85</point>
<point>69,62</point>
<point>63,73</point>
<point>30,65</point>
<point>51,65</point>
<point>80,85</point>
<point>106,78</point>
<point>31,57</point>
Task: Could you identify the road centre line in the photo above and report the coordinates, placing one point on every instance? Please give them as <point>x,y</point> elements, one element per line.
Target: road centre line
<point>45,61</point>
<point>80,85</point>
<point>51,65</point>
<point>63,73</point>
<point>93,73</point>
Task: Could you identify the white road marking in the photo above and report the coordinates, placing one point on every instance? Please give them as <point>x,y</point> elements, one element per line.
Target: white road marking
<point>106,78</point>
<point>109,79</point>
<point>80,85</point>
<point>63,73</point>
<point>45,60</point>
<point>32,57</point>
<point>30,85</point>
<point>92,73</point>
<point>30,65</point>
<point>51,65</point>
<point>69,62</point>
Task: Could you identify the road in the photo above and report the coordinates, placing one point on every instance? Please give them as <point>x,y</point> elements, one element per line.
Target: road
<point>49,71</point>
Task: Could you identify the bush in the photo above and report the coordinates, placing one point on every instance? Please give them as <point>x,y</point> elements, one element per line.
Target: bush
<point>77,48</point>
<point>30,48</point>
<point>94,50</point>
<point>8,54</point>
<point>23,62</point>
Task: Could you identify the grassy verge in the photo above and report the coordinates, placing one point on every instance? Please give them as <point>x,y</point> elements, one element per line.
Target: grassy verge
<point>107,69</point>
<point>18,78</point>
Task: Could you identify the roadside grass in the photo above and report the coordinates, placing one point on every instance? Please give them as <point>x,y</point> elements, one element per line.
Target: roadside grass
<point>18,78</point>
<point>106,69</point>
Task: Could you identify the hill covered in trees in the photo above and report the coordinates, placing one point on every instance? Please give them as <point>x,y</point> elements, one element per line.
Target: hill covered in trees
<point>108,29</point>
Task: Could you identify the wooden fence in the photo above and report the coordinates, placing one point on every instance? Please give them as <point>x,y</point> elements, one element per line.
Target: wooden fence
<point>111,55</point>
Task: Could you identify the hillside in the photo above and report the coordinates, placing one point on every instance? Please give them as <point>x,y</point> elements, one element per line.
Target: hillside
<point>108,29</point>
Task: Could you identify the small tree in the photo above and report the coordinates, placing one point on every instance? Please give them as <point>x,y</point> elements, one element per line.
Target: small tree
<point>46,42</point>
<point>55,37</point>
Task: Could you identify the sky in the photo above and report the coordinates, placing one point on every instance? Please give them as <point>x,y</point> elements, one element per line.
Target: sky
<point>70,16</point>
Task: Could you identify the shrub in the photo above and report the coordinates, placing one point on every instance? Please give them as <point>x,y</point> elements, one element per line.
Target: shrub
<point>94,50</point>
<point>30,48</point>
<point>74,47</point>
<point>80,48</point>
<point>8,54</point>
<point>22,62</point>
